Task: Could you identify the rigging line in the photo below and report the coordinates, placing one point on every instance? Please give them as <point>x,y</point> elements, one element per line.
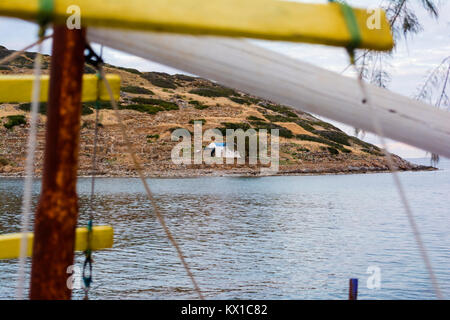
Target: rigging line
<point>93,176</point>
<point>138,167</point>
<point>392,167</point>
<point>29,171</point>
<point>94,159</point>
<point>18,53</point>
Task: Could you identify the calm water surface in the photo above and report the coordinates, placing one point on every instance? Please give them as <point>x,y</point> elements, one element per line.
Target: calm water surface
<point>260,238</point>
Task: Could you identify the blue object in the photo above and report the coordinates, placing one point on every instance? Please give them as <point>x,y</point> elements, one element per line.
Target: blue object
<point>353,292</point>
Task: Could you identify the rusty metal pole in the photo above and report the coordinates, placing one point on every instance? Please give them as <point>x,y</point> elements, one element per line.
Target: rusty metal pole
<point>57,212</point>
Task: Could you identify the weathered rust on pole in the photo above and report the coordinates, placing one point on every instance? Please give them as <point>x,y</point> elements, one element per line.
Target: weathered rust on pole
<point>57,212</point>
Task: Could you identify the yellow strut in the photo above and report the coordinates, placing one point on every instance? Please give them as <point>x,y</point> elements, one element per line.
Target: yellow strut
<point>261,19</point>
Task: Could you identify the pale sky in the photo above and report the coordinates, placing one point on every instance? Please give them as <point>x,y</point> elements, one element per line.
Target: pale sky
<point>412,59</point>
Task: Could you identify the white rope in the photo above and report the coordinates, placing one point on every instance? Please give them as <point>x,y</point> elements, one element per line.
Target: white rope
<point>29,171</point>
<point>393,168</point>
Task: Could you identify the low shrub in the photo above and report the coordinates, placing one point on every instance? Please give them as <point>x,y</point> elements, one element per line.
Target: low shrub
<point>336,136</point>
<point>136,90</point>
<point>184,77</point>
<point>130,70</point>
<point>153,136</point>
<point>306,137</point>
<point>214,92</point>
<point>281,109</point>
<point>283,132</point>
<point>198,105</point>
<point>15,120</point>
<point>239,100</point>
<point>3,161</point>
<point>332,150</point>
<point>150,109</point>
<point>158,102</point>
<point>305,125</point>
<point>234,126</point>
<point>279,118</point>
<point>86,110</point>
<point>161,80</point>
<point>27,107</point>
<point>253,118</point>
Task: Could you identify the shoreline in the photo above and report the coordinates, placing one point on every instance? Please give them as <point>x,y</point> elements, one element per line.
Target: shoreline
<point>185,174</point>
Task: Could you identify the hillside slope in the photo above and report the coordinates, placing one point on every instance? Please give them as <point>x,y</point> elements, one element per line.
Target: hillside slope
<point>154,104</point>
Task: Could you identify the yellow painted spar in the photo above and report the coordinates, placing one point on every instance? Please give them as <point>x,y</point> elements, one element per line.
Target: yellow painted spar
<point>19,88</point>
<point>262,19</point>
<point>102,238</point>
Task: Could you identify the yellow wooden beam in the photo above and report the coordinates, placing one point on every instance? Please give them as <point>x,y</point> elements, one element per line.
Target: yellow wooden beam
<point>102,238</point>
<point>262,19</point>
<point>19,88</point>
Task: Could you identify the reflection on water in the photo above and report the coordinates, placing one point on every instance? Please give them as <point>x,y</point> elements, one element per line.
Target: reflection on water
<point>259,238</point>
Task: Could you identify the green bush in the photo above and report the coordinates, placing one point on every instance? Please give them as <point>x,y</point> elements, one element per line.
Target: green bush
<point>253,100</point>
<point>86,110</point>
<point>184,77</point>
<point>130,70</point>
<point>161,80</point>
<point>15,120</point>
<point>214,92</point>
<point>306,137</point>
<point>279,118</point>
<point>281,109</point>
<point>198,105</point>
<point>305,125</point>
<point>158,102</point>
<point>234,126</point>
<point>3,161</point>
<point>239,100</point>
<point>137,90</point>
<point>143,108</point>
<point>283,132</point>
<point>336,136</point>
<point>27,107</point>
<point>374,152</point>
<point>332,150</point>
<point>253,118</point>
<point>5,68</point>
<point>153,136</point>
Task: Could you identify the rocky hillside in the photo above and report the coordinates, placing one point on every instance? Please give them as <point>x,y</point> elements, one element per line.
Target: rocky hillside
<point>154,104</point>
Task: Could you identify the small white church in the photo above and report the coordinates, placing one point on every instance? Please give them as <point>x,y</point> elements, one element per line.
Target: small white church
<point>220,150</point>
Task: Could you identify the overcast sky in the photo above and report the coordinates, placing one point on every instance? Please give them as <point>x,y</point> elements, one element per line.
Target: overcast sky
<point>412,58</point>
